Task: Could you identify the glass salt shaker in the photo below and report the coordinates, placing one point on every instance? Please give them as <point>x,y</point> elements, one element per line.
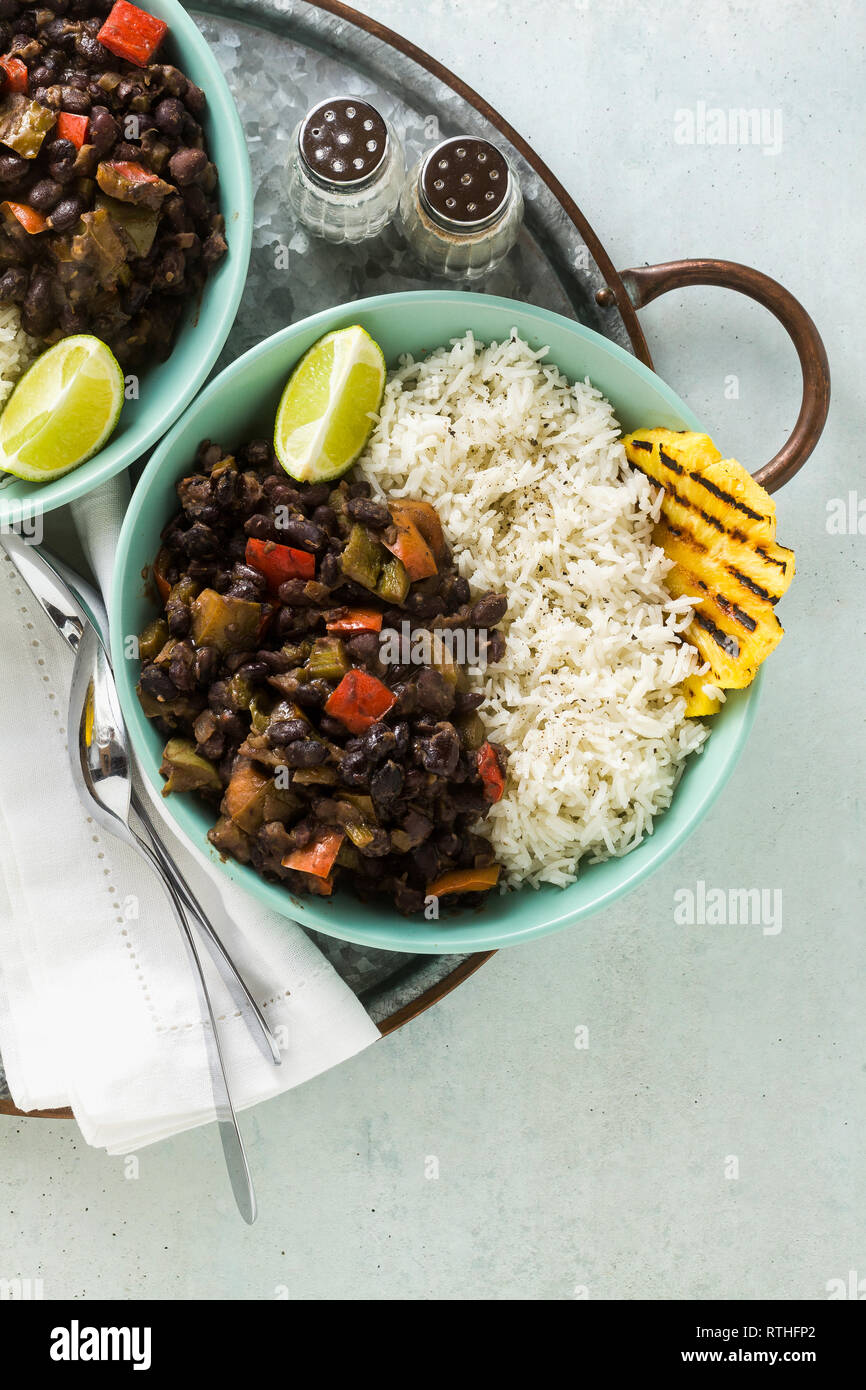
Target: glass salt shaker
<point>345,171</point>
<point>461,208</point>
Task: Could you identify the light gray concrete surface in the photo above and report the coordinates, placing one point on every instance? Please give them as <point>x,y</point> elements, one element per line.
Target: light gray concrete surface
<point>604,1169</point>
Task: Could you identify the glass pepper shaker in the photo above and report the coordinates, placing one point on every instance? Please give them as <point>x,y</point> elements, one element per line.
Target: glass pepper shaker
<point>461,208</point>
<point>345,171</point>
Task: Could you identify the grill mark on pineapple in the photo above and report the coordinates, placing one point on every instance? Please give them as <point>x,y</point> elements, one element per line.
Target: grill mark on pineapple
<point>727,497</point>
<point>735,612</point>
<point>772,559</point>
<point>642,444</point>
<point>756,589</point>
<point>729,645</point>
<point>702,553</point>
<point>669,462</point>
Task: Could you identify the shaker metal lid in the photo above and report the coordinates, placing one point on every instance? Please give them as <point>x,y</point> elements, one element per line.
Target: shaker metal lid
<point>343,142</point>
<point>465,184</point>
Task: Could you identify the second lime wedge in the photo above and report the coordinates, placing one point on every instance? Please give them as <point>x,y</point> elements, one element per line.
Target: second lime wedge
<point>327,410</point>
<point>64,408</point>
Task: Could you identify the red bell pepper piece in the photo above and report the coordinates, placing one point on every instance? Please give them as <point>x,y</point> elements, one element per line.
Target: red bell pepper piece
<point>72,128</point>
<point>356,620</point>
<point>17,76</point>
<point>465,881</point>
<point>490,772</point>
<point>318,856</point>
<point>31,220</point>
<point>279,562</point>
<point>163,587</point>
<point>359,701</point>
<point>136,173</point>
<point>131,33</point>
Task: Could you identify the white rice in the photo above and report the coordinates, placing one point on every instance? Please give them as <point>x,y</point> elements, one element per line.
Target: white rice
<point>539,503</point>
<point>17,350</point>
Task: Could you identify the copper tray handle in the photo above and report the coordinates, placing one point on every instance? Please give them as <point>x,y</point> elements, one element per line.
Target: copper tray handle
<point>645,283</point>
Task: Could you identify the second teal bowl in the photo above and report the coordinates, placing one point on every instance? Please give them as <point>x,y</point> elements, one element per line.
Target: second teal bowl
<point>168,387</point>
<point>241,404</point>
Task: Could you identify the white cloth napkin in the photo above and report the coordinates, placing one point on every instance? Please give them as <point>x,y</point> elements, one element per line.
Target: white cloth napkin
<point>98,1008</point>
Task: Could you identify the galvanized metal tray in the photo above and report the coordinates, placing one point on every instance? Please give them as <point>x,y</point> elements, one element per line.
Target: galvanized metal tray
<point>280,57</point>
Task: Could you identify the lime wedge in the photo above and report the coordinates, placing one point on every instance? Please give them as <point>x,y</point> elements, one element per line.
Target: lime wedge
<point>326,412</point>
<point>64,408</point>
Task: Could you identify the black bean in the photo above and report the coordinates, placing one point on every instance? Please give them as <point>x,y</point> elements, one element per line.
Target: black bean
<point>448,844</point>
<point>316,494</point>
<point>301,533</point>
<point>455,591</point>
<point>262,528</point>
<point>331,728</point>
<point>207,661</point>
<point>495,649</point>
<point>313,694</point>
<point>187,166</point>
<point>387,783</point>
<point>66,214</point>
<point>406,701</point>
<point>155,682</point>
<point>439,754</point>
<point>434,693</point>
<point>12,166</point>
<point>91,49</point>
<point>305,753</point>
<point>104,130</point>
<point>378,743</point>
<point>13,285</point>
<point>200,539</point>
<point>330,572</point>
<point>369,513</point>
<point>408,900</point>
<point>489,610</point>
<point>364,649</point>
<point>292,592</point>
<point>181,667</point>
<point>43,76</point>
<point>194,97</point>
<point>232,725</point>
<point>281,732</point>
<point>169,116</point>
<point>354,770</point>
<point>242,588</point>
<point>61,160</point>
<point>416,826</point>
<point>361,488</point>
<point>243,571</point>
<point>467,700</point>
<point>235,660</point>
<point>178,617</point>
<point>325,517</point>
<point>37,311</point>
<point>44,195</point>
<point>75,101</point>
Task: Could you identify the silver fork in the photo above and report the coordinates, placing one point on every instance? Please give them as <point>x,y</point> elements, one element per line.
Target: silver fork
<point>101,770</point>
<point>71,604</point>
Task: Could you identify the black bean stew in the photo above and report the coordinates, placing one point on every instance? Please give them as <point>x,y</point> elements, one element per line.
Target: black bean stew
<point>333,753</point>
<point>108,208</point>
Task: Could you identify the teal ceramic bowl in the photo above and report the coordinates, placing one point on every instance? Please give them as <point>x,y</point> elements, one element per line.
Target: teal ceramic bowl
<point>241,404</point>
<point>168,387</point>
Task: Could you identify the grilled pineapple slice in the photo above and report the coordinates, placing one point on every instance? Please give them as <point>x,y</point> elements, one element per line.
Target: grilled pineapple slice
<point>698,703</point>
<point>719,527</point>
